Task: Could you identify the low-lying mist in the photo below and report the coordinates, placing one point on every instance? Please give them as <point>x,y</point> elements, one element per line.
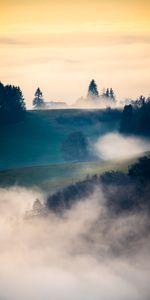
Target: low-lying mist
<point>86,253</point>
<point>117,146</point>
<point>101,103</point>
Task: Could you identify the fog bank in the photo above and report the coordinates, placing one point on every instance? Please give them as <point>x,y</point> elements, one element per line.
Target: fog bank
<point>85,254</point>
<point>117,146</point>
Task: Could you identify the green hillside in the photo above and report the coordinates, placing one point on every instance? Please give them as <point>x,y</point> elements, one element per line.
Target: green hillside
<point>52,177</point>
<point>37,140</point>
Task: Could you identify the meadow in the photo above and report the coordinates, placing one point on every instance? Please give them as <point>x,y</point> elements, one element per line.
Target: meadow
<point>37,140</point>
<point>31,156</point>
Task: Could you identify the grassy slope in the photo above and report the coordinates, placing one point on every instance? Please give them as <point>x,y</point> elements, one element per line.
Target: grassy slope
<point>30,151</point>
<point>37,140</point>
<point>52,177</point>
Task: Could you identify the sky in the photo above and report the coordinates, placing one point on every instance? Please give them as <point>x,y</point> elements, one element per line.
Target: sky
<point>61,45</point>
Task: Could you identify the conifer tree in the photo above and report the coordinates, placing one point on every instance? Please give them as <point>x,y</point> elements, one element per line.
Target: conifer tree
<point>112,95</point>
<point>12,105</point>
<point>93,90</point>
<point>38,101</point>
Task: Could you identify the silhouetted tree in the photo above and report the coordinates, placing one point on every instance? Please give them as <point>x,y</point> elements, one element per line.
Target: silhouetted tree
<point>12,105</point>
<point>107,94</point>
<point>112,95</point>
<point>37,205</point>
<point>2,98</point>
<point>138,103</point>
<point>127,118</point>
<point>92,90</point>
<point>74,147</point>
<point>141,169</point>
<point>136,117</point>
<point>38,101</point>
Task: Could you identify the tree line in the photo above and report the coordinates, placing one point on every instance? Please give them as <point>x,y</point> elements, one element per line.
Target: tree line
<point>93,93</point>
<point>123,192</point>
<point>135,117</point>
<point>12,104</point>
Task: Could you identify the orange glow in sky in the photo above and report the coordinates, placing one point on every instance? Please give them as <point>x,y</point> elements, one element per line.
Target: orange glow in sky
<point>60,45</point>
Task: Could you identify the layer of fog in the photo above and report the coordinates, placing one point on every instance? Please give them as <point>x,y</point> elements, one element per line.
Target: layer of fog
<point>117,146</point>
<point>99,103</point>
<point>87,253</point>
<point>84,103</point>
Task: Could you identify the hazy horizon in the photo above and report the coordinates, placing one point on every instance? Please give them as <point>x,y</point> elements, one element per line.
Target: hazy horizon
<point>60,46</point>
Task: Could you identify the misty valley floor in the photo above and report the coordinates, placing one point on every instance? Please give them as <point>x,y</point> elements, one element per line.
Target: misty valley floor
<point>87,253</point>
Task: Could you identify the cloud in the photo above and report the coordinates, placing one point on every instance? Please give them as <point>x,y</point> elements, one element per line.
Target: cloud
<point>9,41</point>
<point>75,39</point>
<point>86,254</point>
<point>117,146</point>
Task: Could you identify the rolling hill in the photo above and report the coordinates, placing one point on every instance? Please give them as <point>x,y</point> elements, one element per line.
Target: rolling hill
<point>55,176</point>
<point>38,138</point>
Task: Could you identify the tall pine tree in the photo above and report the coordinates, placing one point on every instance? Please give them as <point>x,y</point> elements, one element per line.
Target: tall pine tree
<point>38,101</point>
<point>112,95</point>
<point>93,90</point>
